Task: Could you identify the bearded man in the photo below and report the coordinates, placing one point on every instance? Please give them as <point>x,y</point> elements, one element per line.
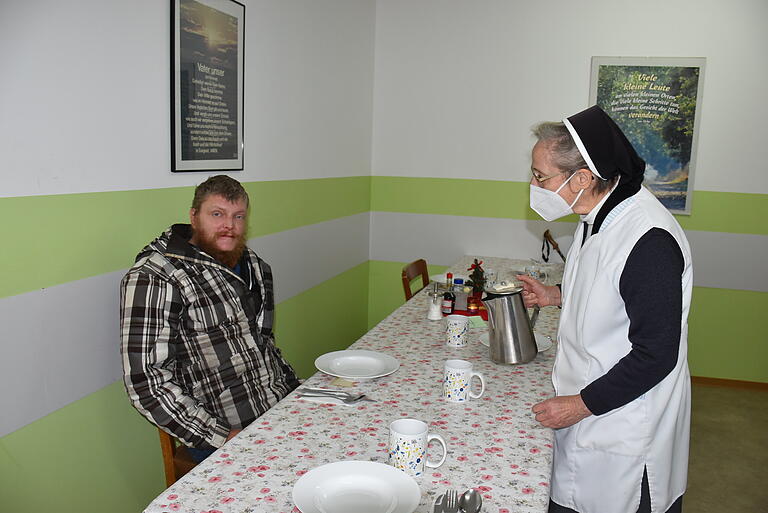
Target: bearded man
<point>196,312</point>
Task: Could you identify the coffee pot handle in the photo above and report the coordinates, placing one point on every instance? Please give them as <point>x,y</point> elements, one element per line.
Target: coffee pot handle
<point>534,315</point>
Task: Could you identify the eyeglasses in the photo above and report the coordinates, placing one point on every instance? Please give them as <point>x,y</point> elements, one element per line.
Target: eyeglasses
<point>540,178</point>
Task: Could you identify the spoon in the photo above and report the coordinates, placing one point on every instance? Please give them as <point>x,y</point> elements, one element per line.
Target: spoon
<point>471,501</point>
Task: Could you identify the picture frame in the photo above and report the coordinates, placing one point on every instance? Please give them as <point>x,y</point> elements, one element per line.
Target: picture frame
<point>657,103</point>
<point>207,85</point>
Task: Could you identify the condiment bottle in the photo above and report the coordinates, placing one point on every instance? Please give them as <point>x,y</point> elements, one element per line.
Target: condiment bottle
<point>460,297</point>
<point>449,298</point>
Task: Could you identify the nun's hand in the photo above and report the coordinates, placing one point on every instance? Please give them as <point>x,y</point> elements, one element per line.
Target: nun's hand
<point>536,293</point>
<point>560,412</point>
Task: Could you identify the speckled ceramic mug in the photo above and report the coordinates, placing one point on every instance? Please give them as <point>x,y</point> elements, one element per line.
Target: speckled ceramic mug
<point>456,328</point>
<point>408,441</point>
<point>457,381</point>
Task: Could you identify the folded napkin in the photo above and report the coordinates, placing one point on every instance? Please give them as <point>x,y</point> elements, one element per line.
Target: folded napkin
<point>477,322</point>
<point>341,383</point>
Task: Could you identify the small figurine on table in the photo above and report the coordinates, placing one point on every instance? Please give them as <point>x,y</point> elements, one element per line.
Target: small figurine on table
<point>477,277</point>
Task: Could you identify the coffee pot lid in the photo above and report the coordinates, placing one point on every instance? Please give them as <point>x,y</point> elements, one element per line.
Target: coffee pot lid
<point>504,288</point>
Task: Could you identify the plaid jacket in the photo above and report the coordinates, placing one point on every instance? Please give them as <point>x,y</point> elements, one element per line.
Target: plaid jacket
<point>199,357</point>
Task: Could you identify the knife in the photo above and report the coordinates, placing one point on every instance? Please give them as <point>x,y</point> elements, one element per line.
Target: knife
<point>349,399</point>
<point>439,504</point>
<point>325,391</point>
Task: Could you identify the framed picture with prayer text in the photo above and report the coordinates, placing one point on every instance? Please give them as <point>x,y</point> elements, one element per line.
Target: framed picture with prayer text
<point>657,103</point>
<point>207,77</point>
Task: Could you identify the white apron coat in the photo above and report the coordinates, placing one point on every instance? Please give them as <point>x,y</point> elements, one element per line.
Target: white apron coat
<point>598,462</point>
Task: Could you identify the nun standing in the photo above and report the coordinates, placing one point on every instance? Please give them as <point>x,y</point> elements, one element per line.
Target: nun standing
<point>621,410</point>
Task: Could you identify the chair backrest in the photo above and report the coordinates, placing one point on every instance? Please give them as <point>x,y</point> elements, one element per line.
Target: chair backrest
<point>411,271</point>
<point>176,459</point>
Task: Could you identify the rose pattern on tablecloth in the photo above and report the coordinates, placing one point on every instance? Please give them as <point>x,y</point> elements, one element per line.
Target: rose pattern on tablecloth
<point>494,444</point>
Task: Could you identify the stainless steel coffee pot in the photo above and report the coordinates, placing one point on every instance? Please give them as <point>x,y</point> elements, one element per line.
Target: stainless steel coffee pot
<point>510,334</point>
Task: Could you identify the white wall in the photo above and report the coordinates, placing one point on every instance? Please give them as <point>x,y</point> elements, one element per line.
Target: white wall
<point>459,84</point>
<point>84,98</point>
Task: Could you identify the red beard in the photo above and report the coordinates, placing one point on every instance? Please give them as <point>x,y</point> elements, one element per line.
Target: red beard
<point>230,258</point>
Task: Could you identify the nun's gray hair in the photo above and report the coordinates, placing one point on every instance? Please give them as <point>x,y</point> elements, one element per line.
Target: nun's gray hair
<point>565,153</point>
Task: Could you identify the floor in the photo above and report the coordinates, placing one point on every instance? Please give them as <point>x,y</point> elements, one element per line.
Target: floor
<point>728,466</point>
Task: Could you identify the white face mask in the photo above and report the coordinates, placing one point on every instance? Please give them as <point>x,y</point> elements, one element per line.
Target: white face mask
<point>550,205</point>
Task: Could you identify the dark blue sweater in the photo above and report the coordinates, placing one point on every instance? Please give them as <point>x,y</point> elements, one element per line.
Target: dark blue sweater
<point>651,287</point>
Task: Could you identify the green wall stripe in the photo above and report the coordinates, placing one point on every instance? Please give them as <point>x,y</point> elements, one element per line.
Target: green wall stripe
<point>96,454</point>
<point>451,196</point>
<point>730,212</point>
<point>62,238</point>
<point>385,288</point>
<point>726,338</point>
<point>328,317</point>
<point>287,204</point>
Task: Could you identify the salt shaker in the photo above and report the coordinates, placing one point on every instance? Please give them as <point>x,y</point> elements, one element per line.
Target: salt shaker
<point>435,312</point>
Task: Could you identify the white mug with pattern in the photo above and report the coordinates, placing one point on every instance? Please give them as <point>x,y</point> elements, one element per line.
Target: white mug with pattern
<point>456,330</point>
<point>408,441</point>
<point>457,381</point>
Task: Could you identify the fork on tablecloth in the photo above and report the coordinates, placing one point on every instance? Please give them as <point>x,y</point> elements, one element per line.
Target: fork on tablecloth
<point>451,502</point>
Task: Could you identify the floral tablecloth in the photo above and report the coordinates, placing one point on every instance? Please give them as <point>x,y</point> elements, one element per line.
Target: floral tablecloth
<point>494,444</point>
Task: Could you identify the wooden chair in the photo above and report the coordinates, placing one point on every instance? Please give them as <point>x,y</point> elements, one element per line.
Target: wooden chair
<point>411,271</point>
<point>545,245</point>
<point>176,459</point>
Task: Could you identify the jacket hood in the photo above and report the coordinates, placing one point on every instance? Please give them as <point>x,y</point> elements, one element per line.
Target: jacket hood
<point>173,240</point>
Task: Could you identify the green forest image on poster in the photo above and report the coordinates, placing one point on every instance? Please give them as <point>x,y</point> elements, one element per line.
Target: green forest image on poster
<point>655,106</point>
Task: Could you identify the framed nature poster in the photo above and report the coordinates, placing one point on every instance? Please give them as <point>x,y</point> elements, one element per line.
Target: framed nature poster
<point>207,47</point>
<point>656,102</point>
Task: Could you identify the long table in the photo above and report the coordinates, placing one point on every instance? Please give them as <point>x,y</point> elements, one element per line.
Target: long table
<point>494,443</point>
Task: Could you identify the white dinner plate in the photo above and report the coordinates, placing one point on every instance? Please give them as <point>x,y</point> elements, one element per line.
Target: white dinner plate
<point>543,342</point>
<point>356,487</point>
<point>357,364</point>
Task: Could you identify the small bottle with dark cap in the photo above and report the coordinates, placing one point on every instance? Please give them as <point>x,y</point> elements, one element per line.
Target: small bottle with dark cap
<point>449,298</point>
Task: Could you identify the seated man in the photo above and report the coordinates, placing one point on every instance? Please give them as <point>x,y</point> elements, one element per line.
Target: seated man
<point>196,313</point>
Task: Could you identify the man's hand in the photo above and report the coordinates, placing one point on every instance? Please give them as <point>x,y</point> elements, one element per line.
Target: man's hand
<point>560,412</point>
<point>536,293</point>
<point>233,434</point>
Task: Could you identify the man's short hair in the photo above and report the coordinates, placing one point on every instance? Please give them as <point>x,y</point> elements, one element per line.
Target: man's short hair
<point>221,185</point>
<point>565,154</point>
